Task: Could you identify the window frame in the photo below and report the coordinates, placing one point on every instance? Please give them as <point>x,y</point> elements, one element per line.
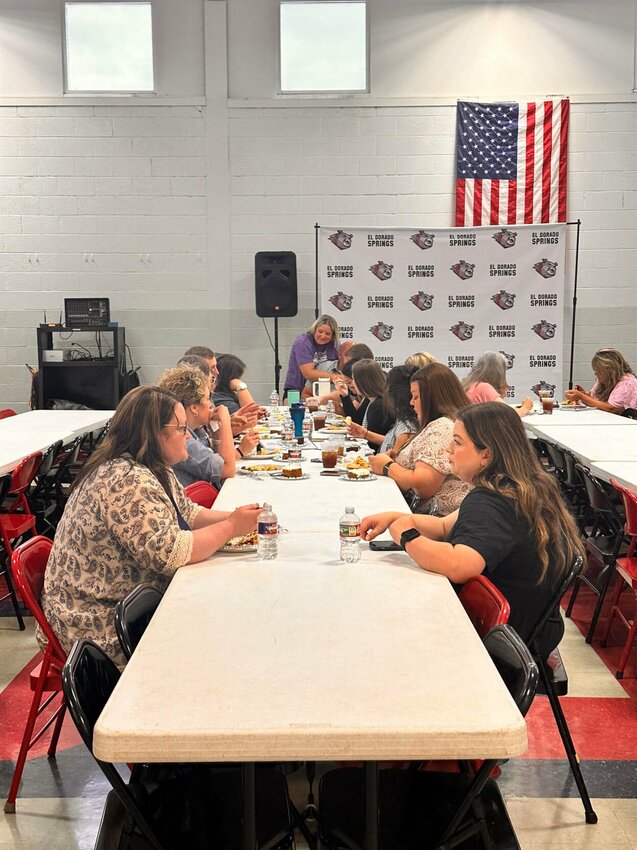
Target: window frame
<point>326,93</point>
<point>107,92</point>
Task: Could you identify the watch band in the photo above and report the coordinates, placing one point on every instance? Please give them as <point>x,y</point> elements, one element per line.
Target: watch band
<point>408,535</point>
<point>386,468</point>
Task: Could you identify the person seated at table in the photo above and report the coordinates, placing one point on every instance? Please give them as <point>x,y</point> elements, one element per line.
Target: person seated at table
<point>420,359</point>
<point>422,466</point>
<point>513,526</point>
<point>370,383</point>
<point>397,402</point>
<point>208,355</point>
<point>346,401</point>
<point>615,387</point>
<point>128,521</point>
<point>487,382</point>
<point>354,351</point>
<point>231,390</point>
<point>314,354</point>
<point>203,462</point>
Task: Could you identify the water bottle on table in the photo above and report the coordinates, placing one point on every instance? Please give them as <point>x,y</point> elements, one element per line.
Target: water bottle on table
<point>349,526</point>
<point>267,534</point>
<point>274,398</point>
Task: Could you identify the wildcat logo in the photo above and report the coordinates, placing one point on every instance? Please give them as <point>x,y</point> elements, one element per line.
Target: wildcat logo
<point>545,330</point>
<point>422,300</point>
<point>546,268</point>
<point>504,300</point>
<point>382,331</point>
<point>510,359</point>
<point>342,240</point>
<point>463,269</point>
<point>383,271</point>
<point>542,386</point>
<point>505,238</point>
<point>463,331</point>
<point>342,301</point>
<point>423,240</point>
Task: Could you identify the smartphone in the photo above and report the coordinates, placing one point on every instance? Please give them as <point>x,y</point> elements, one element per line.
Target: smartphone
<point>384,546</point>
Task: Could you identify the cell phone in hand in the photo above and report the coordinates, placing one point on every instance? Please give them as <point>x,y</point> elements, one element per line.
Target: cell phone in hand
<point>384,546</point>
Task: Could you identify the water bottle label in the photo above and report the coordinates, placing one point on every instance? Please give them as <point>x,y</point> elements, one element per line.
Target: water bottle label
<point>268,529</point>
<point>351,532</point>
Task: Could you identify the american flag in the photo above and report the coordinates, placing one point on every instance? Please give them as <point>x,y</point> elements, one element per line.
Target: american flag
<point>511,162</point>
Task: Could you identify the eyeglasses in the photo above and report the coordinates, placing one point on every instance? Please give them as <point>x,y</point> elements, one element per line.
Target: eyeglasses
<point>182,428</point>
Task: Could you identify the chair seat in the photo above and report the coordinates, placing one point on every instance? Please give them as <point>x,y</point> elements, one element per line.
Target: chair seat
<point>627,568</point>
<point>53,681</point>
<point>603,548</point>
<point>16,524</point>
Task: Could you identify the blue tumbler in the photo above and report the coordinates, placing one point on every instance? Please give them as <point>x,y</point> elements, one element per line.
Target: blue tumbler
<point>297,413</point>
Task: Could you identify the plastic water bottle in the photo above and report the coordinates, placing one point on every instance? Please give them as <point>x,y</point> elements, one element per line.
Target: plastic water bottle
<point>330,406</point>
<point>349,526</point>
<point>274,398</point>
<point>268,534</point>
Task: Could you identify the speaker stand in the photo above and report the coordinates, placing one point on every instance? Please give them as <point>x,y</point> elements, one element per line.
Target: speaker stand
<point>277,364</point>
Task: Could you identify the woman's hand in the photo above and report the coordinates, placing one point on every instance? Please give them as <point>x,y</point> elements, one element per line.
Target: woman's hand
<point>244,519</point>
<point>526,406</point>
<point>375,524</point>
<point>377,462</point>
<point>357,430</point>
<point>573,395</point>
<point>341,387</point>
<point>249,443</point>
<point>399,525</point>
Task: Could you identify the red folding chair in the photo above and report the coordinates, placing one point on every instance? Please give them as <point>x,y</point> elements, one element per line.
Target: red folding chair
<point>627,568</point>
<point>485,605</point>
<point>202,493</point>
<point>28,564</point>
<point>4,414</point>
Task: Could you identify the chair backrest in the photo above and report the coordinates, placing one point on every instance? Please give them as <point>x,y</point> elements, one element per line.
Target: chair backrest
<point>88,680</point>
<point>28,565</point>
<point>630,504</point>
<point>5,483</point>
<point>630,413</point>
<point>202,493</point>
<point>4,414</point>
<point>70,457</point>
<point>571,475</point>
<point>48,458</point>
<point>599,499</point>
<point>24,473</point>
<point>556,456</point>
<point>553,603</point>
<point>133,614</point>
<point>515,665</point>
<point>484,604</point>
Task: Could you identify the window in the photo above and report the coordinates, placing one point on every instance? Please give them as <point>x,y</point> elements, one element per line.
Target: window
<point>323,46</point>
<point>108,47</point>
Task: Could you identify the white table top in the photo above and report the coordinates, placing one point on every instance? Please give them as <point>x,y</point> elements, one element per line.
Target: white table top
<point>36,430</point>
<point>564,416</point>
<point>625,472</point>
<point>308,658</point>
<point>594,443</point>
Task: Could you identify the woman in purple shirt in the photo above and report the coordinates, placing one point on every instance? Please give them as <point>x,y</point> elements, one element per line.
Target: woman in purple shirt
<point>615,389</point>
<point>314,354</point>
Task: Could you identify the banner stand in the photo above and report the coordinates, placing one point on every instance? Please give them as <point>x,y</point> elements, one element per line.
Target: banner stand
<point>578,223</point>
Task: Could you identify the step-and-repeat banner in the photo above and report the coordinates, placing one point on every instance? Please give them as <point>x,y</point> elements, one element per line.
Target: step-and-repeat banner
<point>455,293</point>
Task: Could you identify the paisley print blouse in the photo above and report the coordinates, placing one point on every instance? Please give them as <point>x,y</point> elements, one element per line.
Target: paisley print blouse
<point>119,529</point>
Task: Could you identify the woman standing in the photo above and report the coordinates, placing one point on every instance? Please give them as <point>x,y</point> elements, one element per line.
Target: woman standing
<point>422,466</point>
<point>314,354</point>
<point>513,526</point>
<point>615,388</point>
<point>487,382</point>
<point>128,521</point>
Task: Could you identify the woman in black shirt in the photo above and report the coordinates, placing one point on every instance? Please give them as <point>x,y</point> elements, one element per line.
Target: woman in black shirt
<point>370,382</point>
<point>513,526</point>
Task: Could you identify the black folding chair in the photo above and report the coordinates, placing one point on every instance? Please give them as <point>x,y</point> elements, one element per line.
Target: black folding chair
<point>133,614</point>
<point>425,809</point>
<point>40,497</point>
<point>169,806</point>
<point>554,683</point>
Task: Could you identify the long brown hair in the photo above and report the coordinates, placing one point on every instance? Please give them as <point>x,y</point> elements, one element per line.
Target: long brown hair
<point>515,472</point>
<point>369,377</point>
<point>134,433</point>
<point>611,366</point>
<point>441,393</point>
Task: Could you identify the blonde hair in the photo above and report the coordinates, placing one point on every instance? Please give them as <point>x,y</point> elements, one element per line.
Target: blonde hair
<point>420,359</point>
<point>186,382</point>
<point>611,366</point>
<point>332,324</point>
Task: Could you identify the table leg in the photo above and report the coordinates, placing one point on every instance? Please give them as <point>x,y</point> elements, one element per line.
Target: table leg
<point>249,806</point>
<point>371,805</point>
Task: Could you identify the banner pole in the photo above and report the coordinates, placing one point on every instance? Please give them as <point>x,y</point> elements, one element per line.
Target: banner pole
<point>316,270</point>
<point>570,372</point>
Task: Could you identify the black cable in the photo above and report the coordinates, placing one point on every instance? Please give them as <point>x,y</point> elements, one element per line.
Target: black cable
<point>268,333</point>
<point>87,353</point>
<point>98,343</point>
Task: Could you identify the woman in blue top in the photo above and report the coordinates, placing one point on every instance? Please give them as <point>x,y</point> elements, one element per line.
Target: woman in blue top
<point>314,354</point>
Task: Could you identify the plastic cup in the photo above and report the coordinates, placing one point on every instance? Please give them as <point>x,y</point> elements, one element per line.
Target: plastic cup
<point>547,406</point>
<point>329,455</point>
<point>294,396</point>
<point>319,421</point>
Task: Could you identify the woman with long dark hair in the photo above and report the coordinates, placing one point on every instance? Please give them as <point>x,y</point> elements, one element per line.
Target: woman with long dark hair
<point>615,387</point>
<point>128,521</point>
<point>397,406</point>
<point>231,391</point>
<point>369,383</point>
<point>513,526</point>
<point>422,466</point>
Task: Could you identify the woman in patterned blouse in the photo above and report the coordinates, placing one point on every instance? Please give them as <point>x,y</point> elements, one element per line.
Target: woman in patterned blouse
<point>128,521</point>
<point>422,465</point>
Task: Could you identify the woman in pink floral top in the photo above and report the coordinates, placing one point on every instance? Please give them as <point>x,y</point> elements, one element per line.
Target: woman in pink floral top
<point>422,466</point>
<point>615,389</point>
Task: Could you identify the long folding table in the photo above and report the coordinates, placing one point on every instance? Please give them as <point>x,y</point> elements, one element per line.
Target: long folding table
<point>623,471</point>
<point>594,442</point>
<point>308,658</point>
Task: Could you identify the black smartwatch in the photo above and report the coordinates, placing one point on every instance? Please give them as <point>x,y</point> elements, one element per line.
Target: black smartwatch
<point>409,535</point>
<point>386,468</point>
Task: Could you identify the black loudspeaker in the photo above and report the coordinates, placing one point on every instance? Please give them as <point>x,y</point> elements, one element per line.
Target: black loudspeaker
<point>275,283</point>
